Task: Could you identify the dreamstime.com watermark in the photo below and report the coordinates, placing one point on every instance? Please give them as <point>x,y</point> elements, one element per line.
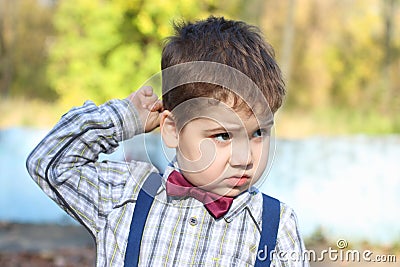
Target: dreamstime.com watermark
<point>339,254</point>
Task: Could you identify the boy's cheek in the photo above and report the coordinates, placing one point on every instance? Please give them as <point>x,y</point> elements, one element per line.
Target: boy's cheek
<point>262,162</point>
<point>197,157</point>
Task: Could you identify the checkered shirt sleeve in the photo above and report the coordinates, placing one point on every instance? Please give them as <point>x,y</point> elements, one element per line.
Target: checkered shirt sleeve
<point>65,164</point>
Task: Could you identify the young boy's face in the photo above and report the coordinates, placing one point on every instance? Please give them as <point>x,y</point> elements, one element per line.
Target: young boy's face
<point>221,150</point>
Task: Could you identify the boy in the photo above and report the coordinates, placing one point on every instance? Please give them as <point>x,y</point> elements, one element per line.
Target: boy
<point>221,86</point>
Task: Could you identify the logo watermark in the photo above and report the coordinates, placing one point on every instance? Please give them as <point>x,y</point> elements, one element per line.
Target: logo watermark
<point>338,254</point>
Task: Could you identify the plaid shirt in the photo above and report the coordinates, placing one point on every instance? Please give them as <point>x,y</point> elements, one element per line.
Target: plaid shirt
<point>102,197</point>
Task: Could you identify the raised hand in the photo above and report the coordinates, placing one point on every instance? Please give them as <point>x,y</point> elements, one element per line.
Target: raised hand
<point>148,106</point>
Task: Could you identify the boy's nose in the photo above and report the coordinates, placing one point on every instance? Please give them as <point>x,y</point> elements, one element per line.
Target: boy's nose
<point>241,155</point>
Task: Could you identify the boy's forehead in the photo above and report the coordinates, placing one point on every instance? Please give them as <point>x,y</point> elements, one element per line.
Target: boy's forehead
<point>220,112</point>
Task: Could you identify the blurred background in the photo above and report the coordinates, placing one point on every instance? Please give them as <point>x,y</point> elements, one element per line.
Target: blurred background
<point>337,136</point>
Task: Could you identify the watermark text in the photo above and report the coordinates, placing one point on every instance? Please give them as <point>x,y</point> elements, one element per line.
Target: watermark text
<point>338,254</point>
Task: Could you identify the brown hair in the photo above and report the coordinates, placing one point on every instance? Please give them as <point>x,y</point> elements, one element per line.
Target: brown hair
<point>229,42</point>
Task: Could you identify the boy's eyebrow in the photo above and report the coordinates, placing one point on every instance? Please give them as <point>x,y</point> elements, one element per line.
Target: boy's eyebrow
<point>235,127</point>
<point>267,123</point>
<point>232,126</point>
<point>221,128</point>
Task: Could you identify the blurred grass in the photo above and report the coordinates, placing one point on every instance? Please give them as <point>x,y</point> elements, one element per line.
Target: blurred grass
<point>289,123</point>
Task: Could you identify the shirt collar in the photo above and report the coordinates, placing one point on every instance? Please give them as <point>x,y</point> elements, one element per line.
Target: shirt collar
<point>240,203</point>
<point>171,167</point>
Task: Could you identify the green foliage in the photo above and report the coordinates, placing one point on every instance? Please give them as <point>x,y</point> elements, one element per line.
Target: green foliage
<point>25,27</point>
<point>338,60</point>
<point>107,49</point>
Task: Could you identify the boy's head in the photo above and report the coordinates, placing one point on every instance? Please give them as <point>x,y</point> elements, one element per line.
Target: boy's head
<point>221,85</point>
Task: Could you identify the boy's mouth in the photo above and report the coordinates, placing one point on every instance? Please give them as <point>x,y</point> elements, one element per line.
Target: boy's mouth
<point>238,181</point>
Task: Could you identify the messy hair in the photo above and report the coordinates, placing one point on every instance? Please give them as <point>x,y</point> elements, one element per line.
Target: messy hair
<point>232,43</point>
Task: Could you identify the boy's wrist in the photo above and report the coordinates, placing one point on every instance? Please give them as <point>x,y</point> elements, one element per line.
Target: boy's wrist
<point>124,117</point>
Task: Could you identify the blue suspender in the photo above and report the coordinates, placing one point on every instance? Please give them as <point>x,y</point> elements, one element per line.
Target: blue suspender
<point>142,208</point>
<point>270,223</point>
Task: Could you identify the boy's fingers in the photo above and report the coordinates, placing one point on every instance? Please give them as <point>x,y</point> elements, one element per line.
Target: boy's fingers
<point>153,106</point>
<point>149,102</point>
<point>157,106</point>
<point>147,90</point>
<point>145,97</point>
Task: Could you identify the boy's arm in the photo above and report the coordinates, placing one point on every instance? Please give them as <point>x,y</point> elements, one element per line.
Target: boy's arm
<point>290,249</point>
<point>65,164</point>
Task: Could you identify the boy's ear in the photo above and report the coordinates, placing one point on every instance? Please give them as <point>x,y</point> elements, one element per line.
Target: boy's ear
<point>169,130</point>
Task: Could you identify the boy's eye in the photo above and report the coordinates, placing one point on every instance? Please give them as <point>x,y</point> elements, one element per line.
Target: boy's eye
<point>260,133</point>
<point>222,137</point>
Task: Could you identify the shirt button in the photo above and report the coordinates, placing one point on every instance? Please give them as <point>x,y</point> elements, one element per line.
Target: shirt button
<point>193,221</point>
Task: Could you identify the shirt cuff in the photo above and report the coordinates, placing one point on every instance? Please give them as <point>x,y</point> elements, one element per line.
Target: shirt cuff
<point>124,117</point>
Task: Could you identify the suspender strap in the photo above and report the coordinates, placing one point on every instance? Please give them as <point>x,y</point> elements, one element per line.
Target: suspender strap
<point>142,208</point>
<point>269,232</point>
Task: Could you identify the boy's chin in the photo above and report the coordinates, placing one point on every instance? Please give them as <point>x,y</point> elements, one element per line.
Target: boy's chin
<point>230,192</point>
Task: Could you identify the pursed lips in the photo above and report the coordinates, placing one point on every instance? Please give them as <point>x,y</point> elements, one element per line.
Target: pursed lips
<point>238,180</point>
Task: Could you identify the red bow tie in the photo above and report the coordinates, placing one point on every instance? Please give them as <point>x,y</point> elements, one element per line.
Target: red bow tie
<point>178,186</point>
